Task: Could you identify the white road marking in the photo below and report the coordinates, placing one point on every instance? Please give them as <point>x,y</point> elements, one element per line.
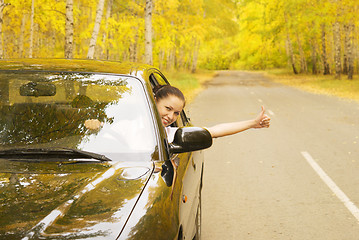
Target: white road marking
<point>270,112</point>
<point>331,184</point>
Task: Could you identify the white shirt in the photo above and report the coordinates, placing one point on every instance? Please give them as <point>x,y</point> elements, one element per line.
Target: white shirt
<point>171,133</point>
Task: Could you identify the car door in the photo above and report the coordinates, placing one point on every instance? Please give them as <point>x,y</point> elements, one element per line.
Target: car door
<point>191,165</point>
<point>188,178</point>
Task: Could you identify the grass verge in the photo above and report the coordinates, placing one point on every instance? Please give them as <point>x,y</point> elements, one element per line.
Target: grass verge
<point>190,84</point>
<point>319,84</point>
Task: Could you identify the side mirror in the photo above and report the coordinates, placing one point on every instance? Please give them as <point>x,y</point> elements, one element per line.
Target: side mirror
<point>190,139</point>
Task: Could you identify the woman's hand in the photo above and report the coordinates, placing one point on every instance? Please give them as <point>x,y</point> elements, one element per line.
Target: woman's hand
<point>262,120</point>
<point>93,124</point>
<point>225,129</point>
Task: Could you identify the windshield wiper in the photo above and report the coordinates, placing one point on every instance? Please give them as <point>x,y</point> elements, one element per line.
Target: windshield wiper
<point>33,153</point>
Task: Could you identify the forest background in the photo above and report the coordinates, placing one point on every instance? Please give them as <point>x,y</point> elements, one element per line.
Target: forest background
<point>319,37</point>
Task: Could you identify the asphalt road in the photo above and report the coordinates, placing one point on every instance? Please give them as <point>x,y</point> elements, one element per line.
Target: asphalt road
<point>297,180</point>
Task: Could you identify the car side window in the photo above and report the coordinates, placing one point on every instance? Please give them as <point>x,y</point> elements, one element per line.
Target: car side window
<point>179,121</point>
<point>184,118</point>
<point>157,79</point>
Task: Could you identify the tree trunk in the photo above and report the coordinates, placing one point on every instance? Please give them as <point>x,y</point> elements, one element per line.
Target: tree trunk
<point>31,47</point>
<point>2,6</point>
<point>148,32</point>
<point>345,51</point>
<point>303,62</point>
<point>170,59</point>
<point>290,47</point>
<point>350,50</point>
<point>69,29</point>
<point>22,36</point>
<point>326,67</point>
<point>161,59</point>
<point>291,54</point>
<point>133,46</point>
<point>180,60</point>
<point>96,29</point>
<point>106,34</point>
<point>337,49</point>
<point>195,55</point>
<point>314,56</point>
<point>4,85</point>
<point>289,63</point>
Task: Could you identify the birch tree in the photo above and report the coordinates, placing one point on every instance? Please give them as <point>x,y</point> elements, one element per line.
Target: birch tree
<point>303,62</point>
<point>349,50</point>
<point>2,6</point>
<point>337,49</point>
<point>69,29</point>
<point>106,34</point>
<point>326,67</point>
<point>4,85</point>
<point>22,36</point>
<point>196,45</point>
<point>290,46</point>
<point>32,26</point>
<point>148,32</point>
<point>291,54</point>
<point>337,40</point>
<point>314,55</point>
<point>96,29</point>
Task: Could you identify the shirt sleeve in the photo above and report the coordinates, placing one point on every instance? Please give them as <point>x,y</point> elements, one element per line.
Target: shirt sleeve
<point>171,133</point>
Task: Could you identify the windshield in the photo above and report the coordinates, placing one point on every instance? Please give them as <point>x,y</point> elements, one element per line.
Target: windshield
<point>48,110</point>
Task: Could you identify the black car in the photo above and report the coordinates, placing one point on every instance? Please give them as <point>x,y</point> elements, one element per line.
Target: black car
<point>61,180</point>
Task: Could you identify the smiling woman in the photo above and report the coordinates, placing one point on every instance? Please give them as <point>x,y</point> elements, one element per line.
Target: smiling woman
<point>170,109</point>
<point>170,103</point>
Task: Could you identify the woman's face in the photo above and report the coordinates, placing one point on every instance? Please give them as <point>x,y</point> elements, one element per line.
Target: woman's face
<point>169,109</point>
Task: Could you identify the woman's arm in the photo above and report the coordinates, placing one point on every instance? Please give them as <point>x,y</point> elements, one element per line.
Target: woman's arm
<point>225,129</point>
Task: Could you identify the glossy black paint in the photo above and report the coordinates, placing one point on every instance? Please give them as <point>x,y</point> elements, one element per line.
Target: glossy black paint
<point>190,139</point>
<point>38,89</point>
<point>134,196</point>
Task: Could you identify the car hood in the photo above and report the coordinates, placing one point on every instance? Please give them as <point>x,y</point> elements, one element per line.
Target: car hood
<point>68,201</point>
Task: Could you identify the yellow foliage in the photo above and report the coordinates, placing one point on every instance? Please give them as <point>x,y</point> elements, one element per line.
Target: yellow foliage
<point>222,33</point>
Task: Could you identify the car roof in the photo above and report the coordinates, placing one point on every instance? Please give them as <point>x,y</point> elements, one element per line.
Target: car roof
<point>76,65</point>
